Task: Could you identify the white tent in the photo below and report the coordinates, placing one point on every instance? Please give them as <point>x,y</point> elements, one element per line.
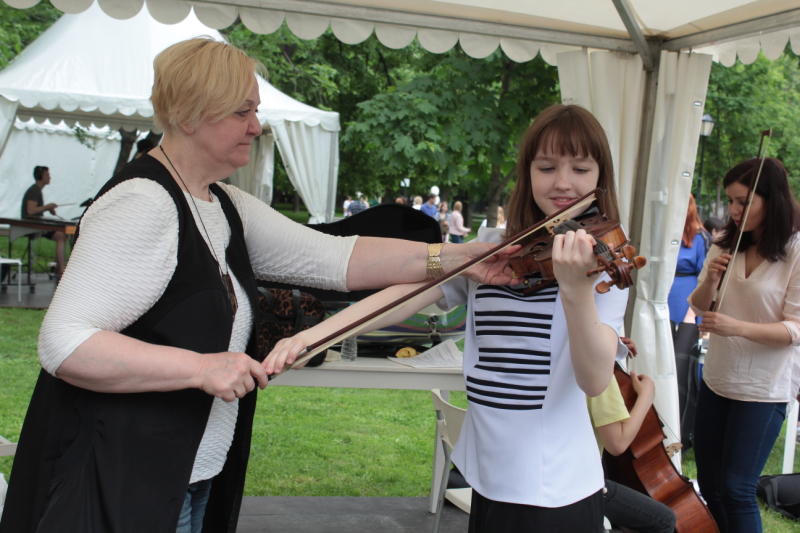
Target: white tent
<point>641,66</point>
<point>93,70</point>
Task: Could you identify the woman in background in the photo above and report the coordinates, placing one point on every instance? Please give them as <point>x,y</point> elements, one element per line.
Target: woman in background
<point>456,225</point>
<point>750,369</point>
<point>691,256</point>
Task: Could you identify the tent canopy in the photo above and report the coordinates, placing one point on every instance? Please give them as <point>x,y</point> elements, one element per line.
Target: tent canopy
<point>724,28</point>
<point>96,71</point>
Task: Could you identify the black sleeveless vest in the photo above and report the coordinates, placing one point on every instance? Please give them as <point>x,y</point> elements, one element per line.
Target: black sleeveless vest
<point>99,462</point>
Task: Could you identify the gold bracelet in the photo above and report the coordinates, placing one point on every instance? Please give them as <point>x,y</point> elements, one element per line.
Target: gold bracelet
<point>433,268</point>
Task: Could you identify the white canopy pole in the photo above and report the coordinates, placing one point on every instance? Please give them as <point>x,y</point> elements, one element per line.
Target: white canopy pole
<point>611,85</point>
<point>682,85</point>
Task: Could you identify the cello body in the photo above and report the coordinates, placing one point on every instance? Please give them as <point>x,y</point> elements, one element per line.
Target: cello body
<point>646,467</point>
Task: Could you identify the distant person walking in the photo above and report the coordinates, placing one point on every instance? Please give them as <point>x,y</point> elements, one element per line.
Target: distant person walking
<point>457,229</point>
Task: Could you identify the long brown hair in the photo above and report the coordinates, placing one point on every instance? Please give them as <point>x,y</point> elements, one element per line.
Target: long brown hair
<point>781,212</point>
<point>692,225</point>
<point>562,129</point>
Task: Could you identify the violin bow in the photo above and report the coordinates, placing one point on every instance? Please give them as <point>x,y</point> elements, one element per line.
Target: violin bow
<point>722,286</point>
<point>550,222</point>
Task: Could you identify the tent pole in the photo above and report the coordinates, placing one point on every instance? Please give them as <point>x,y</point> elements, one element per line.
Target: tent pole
<point>640,183</point>
<point>649,57</point>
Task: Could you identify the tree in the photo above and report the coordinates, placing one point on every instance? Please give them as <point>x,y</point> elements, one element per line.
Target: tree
<point>455,125</point>
<point>447,120</point>
<point>19,27</point>
<point>744,100</point>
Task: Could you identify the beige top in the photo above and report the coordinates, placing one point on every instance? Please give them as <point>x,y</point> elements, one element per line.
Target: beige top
<point>738,368</point>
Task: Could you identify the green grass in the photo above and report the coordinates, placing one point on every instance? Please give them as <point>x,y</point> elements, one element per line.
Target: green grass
<point>307,441</point>
<point>44,251</point>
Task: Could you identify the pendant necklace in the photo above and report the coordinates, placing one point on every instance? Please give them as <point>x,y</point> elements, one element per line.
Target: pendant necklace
<point>224,275</point>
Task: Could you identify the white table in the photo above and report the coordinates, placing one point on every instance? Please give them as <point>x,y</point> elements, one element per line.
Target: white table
<point>380,373</point>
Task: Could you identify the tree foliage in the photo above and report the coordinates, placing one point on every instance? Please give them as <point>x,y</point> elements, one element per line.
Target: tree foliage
<point>19,27</point>
<point>446,120</point>
<point>744,100</point>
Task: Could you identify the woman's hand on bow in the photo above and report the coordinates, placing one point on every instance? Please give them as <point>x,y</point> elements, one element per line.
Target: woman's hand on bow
<point>720,324</point>
<point>230,375</point>
<point>493,271</point>
<point>284,354</point>
<point>717,266</point>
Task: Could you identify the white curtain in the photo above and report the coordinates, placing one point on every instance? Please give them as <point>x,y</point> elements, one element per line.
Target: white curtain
<point>8,110</point>
<point>313,172</point>
<point>256,176</point>
<point>682,85</point>
<point>611,85</point>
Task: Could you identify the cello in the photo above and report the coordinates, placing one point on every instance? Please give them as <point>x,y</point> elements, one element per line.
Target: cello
<point>646,466</point>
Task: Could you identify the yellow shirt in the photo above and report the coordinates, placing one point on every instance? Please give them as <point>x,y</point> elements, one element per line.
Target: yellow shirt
<point>608,407</point>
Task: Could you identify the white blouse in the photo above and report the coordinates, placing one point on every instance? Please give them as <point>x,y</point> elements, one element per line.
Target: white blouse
<point>127,254</point>
<point>527,437</point>
<point>738,368</point>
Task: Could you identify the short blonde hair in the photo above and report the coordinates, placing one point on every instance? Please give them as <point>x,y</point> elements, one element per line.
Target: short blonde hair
<point>200,79</point>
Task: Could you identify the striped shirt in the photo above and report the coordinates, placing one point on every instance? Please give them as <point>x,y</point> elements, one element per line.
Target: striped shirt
<point>527,437</point>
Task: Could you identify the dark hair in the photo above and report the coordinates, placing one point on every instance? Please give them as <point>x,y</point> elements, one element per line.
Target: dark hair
<point>564,129</point>
<point>712,224</point>
<point>38,172</point>
<point>781,216</point>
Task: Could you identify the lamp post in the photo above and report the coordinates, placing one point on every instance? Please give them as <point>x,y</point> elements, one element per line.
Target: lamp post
<point>706,127</point>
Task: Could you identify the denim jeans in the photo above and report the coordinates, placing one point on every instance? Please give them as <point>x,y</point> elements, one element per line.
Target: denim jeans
<point>458,239</point>
<point>628,508</point>
<point>194,507</point>
<point>732,441</point>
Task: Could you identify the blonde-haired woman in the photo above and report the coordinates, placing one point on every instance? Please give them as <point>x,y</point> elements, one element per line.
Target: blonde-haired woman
<point>142,414</point>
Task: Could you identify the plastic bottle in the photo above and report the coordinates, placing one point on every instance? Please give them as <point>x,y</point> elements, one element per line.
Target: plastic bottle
<point>349,349</point>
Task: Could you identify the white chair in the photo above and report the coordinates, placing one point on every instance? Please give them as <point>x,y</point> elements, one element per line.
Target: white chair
<point>4,261</point>
<point>449,420</point>
<point>7,447</point>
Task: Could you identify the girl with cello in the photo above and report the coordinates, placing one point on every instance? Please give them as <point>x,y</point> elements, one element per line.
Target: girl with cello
<point>749,374</point>
<point>530,358</point>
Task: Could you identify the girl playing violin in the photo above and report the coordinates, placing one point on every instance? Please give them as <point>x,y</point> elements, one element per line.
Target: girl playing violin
<point>748,375</point>
<point>527,446</point>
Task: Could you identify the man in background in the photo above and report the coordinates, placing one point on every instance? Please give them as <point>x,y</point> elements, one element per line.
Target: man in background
<point>33,206</point>
<point>429,207</point>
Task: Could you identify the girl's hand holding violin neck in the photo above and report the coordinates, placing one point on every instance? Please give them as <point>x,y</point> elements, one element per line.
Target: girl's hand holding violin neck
<point>573,257</point>
<point>230,375</point>
<point>284,354</point>
<point>720,324</point>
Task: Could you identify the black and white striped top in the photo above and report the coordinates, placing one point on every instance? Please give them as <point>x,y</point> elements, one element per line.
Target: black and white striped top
<point>512,334</point>
<point>527,437</point>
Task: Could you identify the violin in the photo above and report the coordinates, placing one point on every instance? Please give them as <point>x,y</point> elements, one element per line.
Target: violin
<point>646,466</point>
<point>612,261</point>
<point>613,251</point>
